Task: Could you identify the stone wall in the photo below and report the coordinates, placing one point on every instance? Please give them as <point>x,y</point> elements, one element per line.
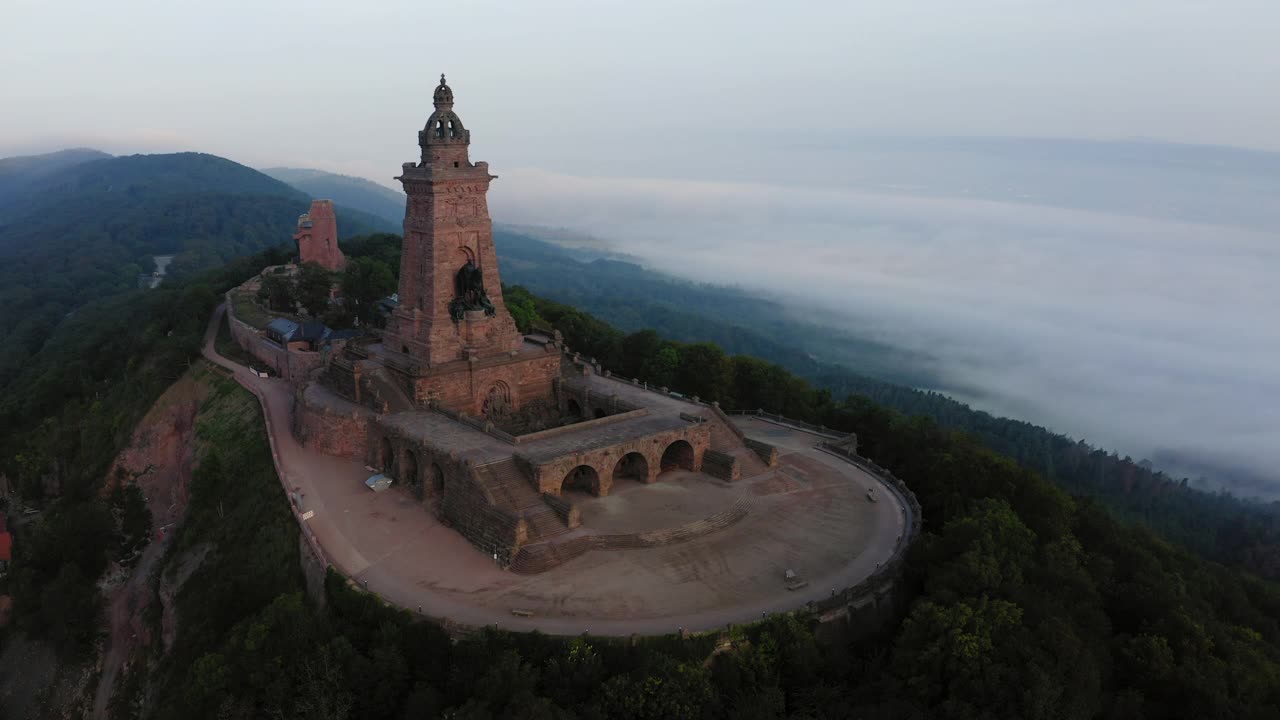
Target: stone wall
<point>579,426</point>
<point>524,379</point>
<point>331,427</point>
<point>577,399</point>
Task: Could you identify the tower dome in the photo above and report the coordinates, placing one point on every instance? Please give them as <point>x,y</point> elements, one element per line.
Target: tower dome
<point>443,127</point>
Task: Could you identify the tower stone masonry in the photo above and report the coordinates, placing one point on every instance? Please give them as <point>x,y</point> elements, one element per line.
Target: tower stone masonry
<point>317,237</point>
<point>450,292</point>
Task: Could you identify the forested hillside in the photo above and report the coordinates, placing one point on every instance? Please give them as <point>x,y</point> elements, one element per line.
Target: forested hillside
<point>345,190</point>
<point>19,174</point>
<point>84,232</point>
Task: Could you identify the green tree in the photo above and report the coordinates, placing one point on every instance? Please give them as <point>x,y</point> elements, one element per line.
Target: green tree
<point>705,371</point>
<point>956,659</point>
<point>522,308</point>
<point>312,288</point>
<point>276,293</point>
<point>364,282</point>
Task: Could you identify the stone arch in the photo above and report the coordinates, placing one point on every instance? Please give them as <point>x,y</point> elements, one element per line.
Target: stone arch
<point>677,456</point>
<point>582,478</point>
<point>599,413</point>
<point>387,456</point>
<point>631,466</point>
<point>409,472</point>
<point>573,408</point>
<point>498,405</point>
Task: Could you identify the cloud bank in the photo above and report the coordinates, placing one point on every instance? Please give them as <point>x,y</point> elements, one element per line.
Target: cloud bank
<point>1153,338</point>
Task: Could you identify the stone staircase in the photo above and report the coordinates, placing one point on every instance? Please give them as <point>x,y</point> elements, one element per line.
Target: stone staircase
<point>514,494</point>
<point>388,394</point>
<point>540,557</point>
<point>725,440</point>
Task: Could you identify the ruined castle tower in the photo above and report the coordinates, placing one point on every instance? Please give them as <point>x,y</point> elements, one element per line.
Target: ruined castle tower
<point>317,236</point>
<point>450,296</point>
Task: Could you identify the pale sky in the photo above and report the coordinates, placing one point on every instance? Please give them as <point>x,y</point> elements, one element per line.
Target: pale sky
<point>344,85</point>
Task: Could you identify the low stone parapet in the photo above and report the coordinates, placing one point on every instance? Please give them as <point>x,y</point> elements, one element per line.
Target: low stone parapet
<point>569,513</point>
<point>881,584</point>
<point>721,465</point>
<point>767,453</point>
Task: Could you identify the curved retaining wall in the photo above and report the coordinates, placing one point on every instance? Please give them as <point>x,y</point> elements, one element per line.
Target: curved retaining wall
<point>878,587</point>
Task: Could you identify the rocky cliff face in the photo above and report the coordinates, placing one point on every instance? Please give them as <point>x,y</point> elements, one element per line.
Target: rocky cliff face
<point>139,623</point>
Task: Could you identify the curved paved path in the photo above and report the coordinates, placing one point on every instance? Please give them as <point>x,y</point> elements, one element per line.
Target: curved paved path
<point>810,515</point>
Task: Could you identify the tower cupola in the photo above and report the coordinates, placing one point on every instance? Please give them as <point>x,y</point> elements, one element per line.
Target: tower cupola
<point>443,127</point>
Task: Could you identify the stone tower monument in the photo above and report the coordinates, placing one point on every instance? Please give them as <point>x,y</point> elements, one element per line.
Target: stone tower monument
<point>317,237</point>
<point>450,296</point>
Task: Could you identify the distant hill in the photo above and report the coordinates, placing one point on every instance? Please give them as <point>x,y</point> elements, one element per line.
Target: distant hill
<point>20,173</point>
<point>345,190</point>
<point>81,232</point>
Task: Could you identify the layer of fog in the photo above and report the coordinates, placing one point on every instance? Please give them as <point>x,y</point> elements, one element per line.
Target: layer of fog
<point>1154,338</point>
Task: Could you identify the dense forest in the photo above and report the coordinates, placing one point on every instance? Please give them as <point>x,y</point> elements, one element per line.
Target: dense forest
<point>65,417</point>
<point>73,232</point>
<point>1021,600</point>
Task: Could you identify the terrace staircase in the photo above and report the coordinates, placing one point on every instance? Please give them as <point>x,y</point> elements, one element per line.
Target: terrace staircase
<point>514,494</point>
<point>387,393</point>
<point>728,440</point>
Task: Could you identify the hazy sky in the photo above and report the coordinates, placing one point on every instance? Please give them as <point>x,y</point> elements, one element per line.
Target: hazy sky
<point>343,85</point>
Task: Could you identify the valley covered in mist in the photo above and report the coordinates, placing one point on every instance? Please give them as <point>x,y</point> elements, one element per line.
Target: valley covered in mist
<point>1122,293</point>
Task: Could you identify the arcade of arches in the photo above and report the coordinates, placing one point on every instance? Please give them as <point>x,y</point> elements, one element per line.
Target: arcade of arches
<point>600,475</point>
<point>425,480</point>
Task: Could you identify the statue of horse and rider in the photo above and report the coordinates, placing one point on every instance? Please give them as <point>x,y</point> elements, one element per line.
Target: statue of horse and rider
<point>469,293</point>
